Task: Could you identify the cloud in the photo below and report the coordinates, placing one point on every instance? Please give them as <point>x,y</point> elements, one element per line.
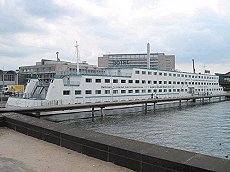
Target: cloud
<point>189,29</point>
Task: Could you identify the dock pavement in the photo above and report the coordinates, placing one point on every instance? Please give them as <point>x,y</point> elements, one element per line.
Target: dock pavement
<point>22,153</point>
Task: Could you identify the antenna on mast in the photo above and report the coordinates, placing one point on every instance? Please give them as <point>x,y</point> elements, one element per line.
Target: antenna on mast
<point>77,57</point>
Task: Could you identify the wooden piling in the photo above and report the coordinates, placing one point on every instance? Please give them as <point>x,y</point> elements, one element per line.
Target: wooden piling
<point>179,103</point>
<point>93,111</point>
<point>102,112</point>
<point>146,108</point>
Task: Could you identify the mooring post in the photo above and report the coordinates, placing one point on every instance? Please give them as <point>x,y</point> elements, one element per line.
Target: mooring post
<point>93,113</point>
<point>154,107</point>
<point>146,108</point>
<point>209,99</point>
<point>220,98</point>
<point>179,103</point>
<point>187,103</point>
<point>202,100</point>
<point>102,112</point>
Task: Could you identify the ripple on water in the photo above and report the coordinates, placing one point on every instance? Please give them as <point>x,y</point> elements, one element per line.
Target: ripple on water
<point>203,129</point>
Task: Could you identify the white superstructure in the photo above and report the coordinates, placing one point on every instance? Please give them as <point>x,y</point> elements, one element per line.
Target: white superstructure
<point>122,84</point>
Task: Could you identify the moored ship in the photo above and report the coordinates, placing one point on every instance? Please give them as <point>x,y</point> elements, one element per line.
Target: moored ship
<point>119,84</point>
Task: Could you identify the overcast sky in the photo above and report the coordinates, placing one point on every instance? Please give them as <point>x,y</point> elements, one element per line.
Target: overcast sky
<point>190,29</point>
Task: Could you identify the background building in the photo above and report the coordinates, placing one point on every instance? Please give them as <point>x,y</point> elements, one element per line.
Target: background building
<point>157,60</point>
<point>9,78</point>
<point>224,81</point>
<point>47,69</point>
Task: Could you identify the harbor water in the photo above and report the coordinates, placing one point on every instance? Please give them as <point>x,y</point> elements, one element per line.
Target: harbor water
<point>202,128</point>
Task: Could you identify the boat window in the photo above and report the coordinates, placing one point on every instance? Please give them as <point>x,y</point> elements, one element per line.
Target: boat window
<point>149,73</point>
<point>137,91</point>
<point>88,91</point>
<point>178,82</point>
<point>88,80</point>
<point>149,91</point>
<point>165,90</point>
<point>107,91</point>
<point>115,80</point>
<point>123,91</point>
<point>149,82</point>
<point>130,81</point>
<point>170,74</point>
<point>170,82</point>
<point>178,75</point>
<point>154,82</point>
<point>143,81</point>
<point>155,91</point>
<point>160,73</point>
<point>115,91</point>
<point>160,82</point>
<point>160,90</point>
<point>155,73</point>
<point>130,91</point>
<point>170,90</point>
<point>97,91</point>
<point>66,92</point>
<point>123,81</point>
<point>143,91</point>
<point>137,72</point>
<point>165,82</point>
<point>182,75</point>
<point>137,81</point>
<point>77,92</point>
<point>107,80</point>
<point>98,80</point>
<point>143,72</point>
<point>165,74</point>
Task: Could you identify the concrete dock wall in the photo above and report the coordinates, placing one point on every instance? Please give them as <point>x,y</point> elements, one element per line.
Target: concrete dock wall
<point>135,155</point>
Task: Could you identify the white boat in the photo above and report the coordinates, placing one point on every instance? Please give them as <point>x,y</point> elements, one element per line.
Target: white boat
<point>121,84</point>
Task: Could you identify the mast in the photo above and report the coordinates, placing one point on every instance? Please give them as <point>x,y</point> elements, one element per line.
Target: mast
<point>193,65</point>
<point>77,57</point>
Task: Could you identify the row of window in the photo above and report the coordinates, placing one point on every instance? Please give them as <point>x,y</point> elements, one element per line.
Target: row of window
<point>174,75</point>
<point>79,92</point>
<point>89,80</point>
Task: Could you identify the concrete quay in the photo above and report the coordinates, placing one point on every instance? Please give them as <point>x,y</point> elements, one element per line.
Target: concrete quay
<point>134,155</point>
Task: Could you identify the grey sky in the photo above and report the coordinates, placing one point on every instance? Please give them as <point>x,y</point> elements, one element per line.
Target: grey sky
<point>34,29</point>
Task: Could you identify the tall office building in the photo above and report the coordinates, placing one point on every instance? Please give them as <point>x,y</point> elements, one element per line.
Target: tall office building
<point>157,61</point>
